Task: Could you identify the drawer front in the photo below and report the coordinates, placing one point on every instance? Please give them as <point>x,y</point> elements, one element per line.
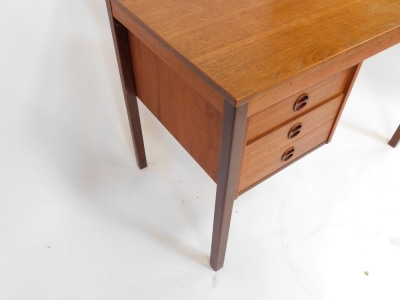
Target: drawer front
<point>253,173</point>
<point>297,104</point>
<point>291,131</point>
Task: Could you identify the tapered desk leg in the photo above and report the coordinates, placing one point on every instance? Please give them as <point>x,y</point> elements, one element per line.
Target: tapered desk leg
<point>121,44</point>
<point>394,142</point>
<point>233,134</point>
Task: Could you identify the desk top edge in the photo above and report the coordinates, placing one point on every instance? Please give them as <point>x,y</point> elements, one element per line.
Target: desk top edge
<point>224,85</point>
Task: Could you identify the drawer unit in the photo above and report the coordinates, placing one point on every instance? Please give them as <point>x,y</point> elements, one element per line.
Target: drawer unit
<point>297,104</point>
<point>251,174</point>
<point>291,131</point>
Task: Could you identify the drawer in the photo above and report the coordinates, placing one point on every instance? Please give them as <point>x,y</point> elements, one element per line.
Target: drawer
<point>291,131</point>
<point>251,174</point>
<point>297,104</point>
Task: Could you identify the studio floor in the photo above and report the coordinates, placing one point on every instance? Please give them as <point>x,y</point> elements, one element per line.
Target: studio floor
<point>79,220</point>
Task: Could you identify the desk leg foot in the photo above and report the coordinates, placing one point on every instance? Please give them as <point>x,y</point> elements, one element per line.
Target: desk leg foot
<point>233,136</point>
<point>121,44</point>
<point>394,142</point>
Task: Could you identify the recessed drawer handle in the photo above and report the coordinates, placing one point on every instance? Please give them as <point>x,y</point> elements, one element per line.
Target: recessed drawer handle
<point>288,154</point>
<point>295,131</point>
<point>301,102</point>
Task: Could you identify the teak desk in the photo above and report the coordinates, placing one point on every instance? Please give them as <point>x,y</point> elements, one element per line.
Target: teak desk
<point>247,87</point>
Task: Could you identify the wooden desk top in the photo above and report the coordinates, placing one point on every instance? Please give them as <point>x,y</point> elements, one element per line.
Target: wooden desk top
<point>245,46</point>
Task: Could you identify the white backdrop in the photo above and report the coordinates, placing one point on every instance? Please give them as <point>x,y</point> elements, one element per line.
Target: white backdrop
<point>78,220</point>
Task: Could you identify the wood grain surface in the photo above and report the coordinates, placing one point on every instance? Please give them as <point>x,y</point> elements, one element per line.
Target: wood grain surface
<point>247,47</point>
<point>278,138</point>
<point>173,59</point>
<point>252,173</point>
<point>187,115</point>
<point>283,111</point>
<point>292,161</point>
<point>352,79</point>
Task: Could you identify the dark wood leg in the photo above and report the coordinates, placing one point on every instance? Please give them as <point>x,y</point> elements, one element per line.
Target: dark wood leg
<point>233,134</point>
<point>121,44</point>
<point>394,142</point>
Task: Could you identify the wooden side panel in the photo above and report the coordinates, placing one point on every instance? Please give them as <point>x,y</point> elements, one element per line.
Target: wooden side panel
<point>349,87</point>
<point>187,115</point>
